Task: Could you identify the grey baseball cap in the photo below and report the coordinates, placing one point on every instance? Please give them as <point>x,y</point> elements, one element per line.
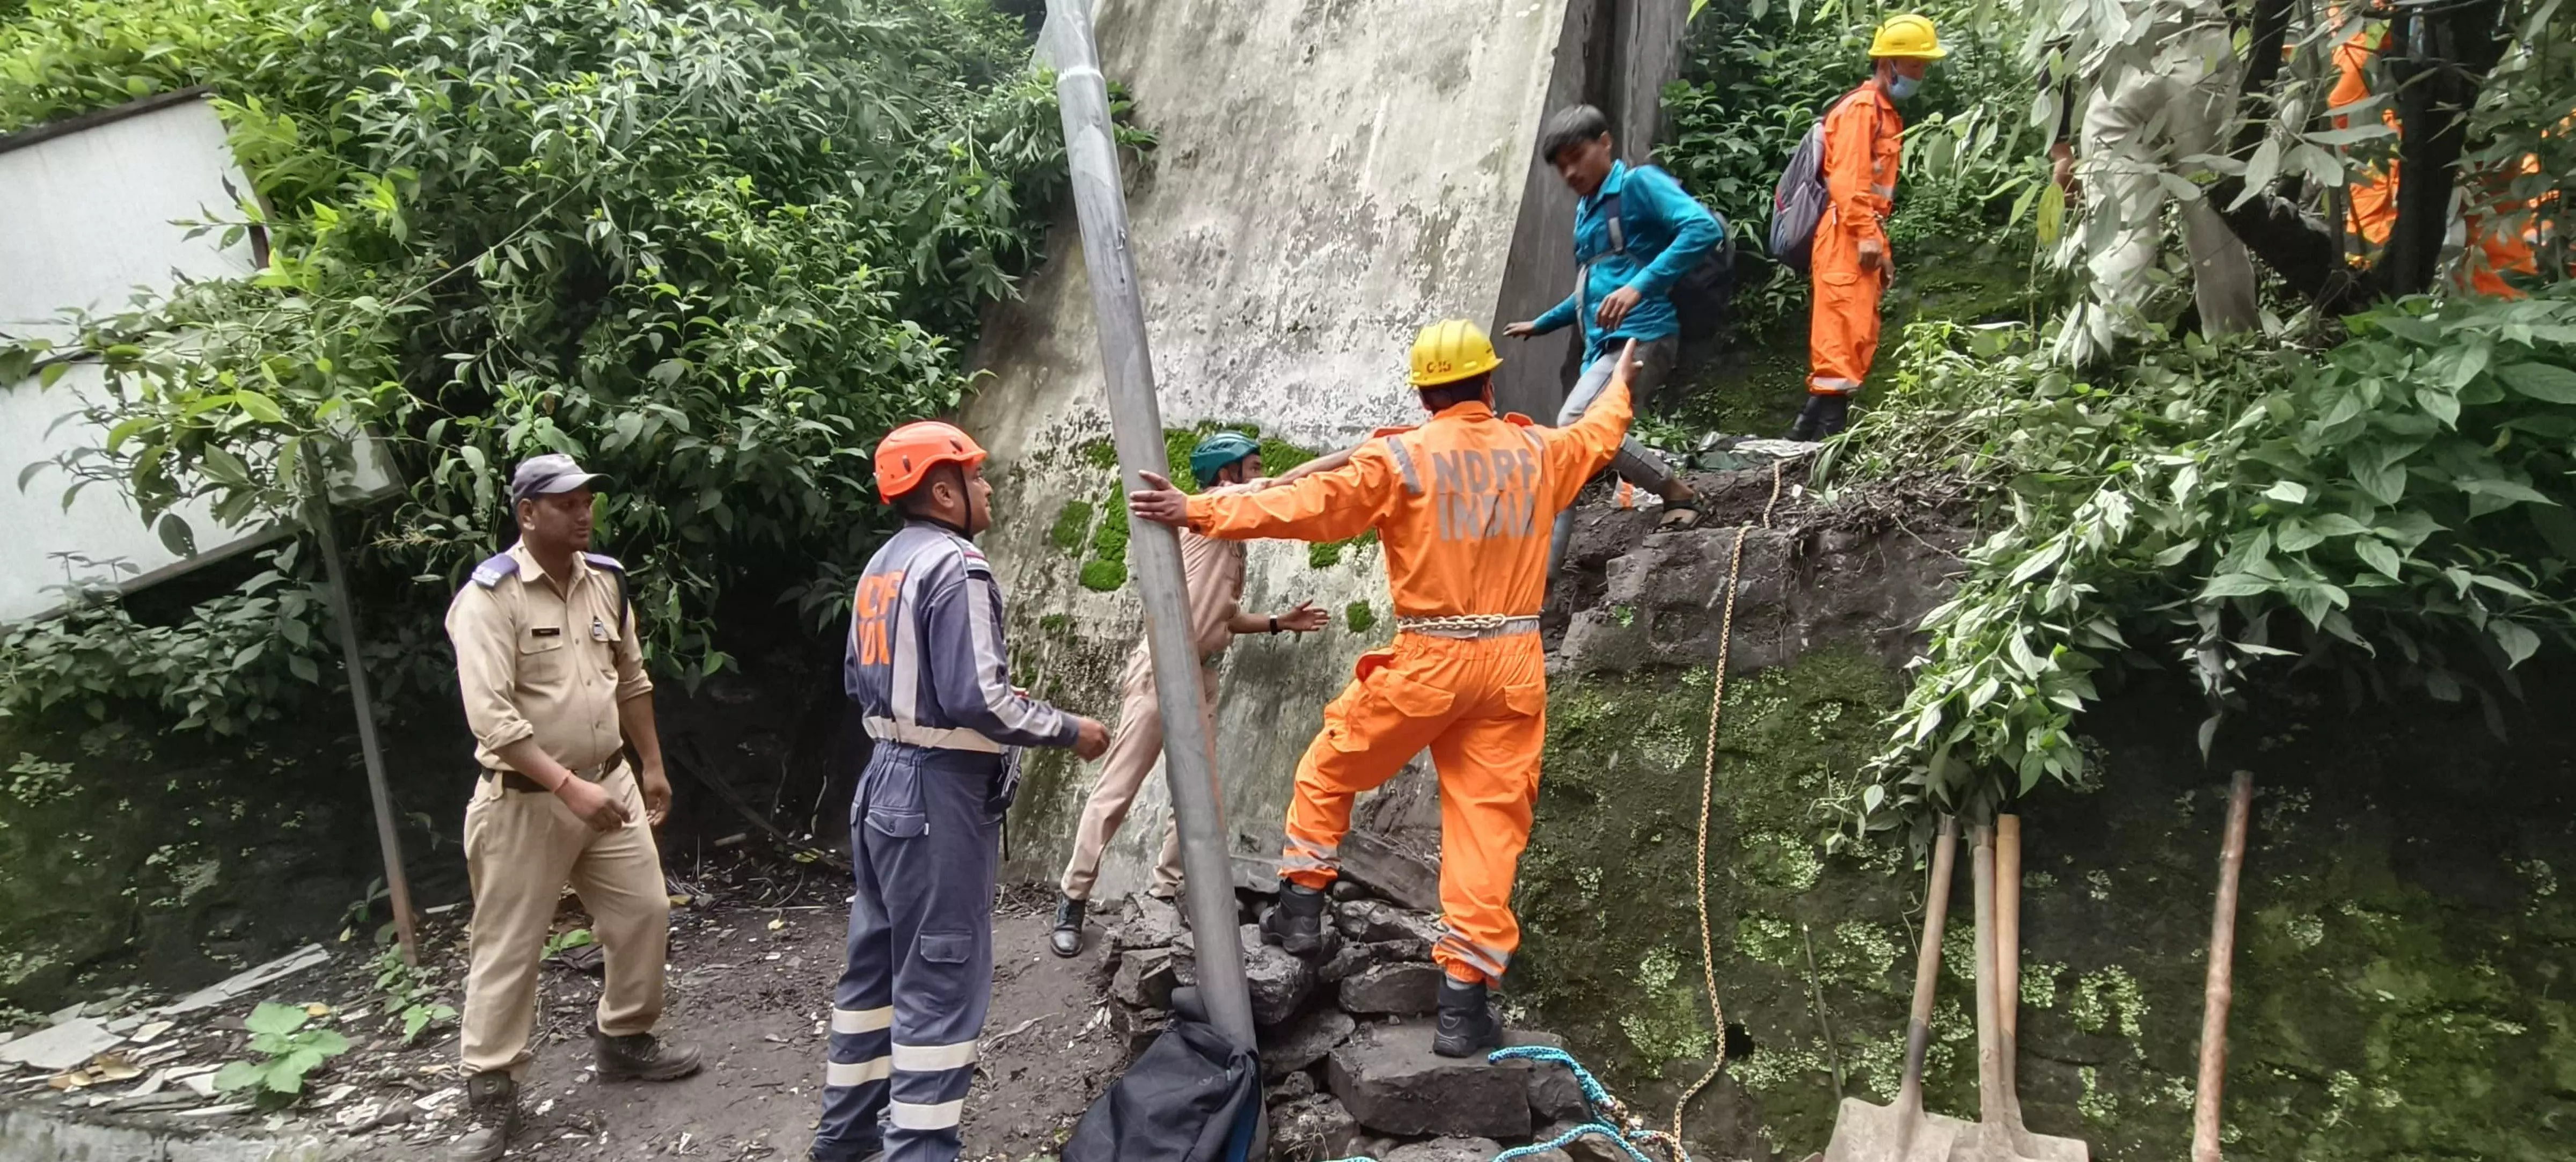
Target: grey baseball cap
<point>547,475</point>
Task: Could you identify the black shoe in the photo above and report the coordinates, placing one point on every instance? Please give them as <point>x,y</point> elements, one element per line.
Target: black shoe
<point>1467,1024</point>
<point>1066,940</point>
<point>1825,415</point>
<point>642,1058</point>
<point>1297,922</point>
<point>492,1113</point>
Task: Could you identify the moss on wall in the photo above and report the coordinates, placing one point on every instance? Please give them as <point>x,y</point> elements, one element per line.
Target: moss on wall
<point>2403,942</point>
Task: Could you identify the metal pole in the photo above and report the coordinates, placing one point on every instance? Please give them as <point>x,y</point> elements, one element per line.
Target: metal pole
<point>345,611</point>
<point>1154,551</point>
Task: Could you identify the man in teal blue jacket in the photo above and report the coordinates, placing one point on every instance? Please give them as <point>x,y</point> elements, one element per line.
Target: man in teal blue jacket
<point>1635,233</point>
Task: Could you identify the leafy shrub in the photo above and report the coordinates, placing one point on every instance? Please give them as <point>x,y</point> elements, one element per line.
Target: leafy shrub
<point>2395,505</point>
<point>712,248</point>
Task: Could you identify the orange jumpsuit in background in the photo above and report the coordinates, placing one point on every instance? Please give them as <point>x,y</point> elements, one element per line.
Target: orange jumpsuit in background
<point>1863,143</point>
<point>1463,505</point>
<point>2374,196</point>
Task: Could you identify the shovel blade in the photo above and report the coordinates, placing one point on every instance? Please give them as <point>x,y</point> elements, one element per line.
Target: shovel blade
<point>1875,1133</point>
<point>1985,1142</point>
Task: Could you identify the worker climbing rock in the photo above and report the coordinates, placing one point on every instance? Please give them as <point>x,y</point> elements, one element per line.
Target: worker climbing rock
<point>1462,505</point>
<point>927,668</point>
<point>1635,234</point>
<point>1863,142</point>
<point>1213,573</point>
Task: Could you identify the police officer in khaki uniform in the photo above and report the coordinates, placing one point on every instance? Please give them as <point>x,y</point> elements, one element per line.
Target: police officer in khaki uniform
<point>555,692</point>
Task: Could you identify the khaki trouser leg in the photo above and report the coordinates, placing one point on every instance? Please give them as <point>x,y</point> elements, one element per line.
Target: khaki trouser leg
<point>619,880</point>
<point>521,849</point>
<point>1133,749</point>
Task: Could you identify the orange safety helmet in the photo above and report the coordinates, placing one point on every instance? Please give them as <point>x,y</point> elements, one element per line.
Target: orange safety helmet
<point>909,453</point>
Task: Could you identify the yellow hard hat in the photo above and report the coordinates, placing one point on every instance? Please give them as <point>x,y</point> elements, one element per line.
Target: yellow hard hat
<point>1451,350</point>
<point>1908,36</point>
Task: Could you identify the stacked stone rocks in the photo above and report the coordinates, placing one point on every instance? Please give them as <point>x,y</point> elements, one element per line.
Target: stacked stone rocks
<point>1346,1062</point>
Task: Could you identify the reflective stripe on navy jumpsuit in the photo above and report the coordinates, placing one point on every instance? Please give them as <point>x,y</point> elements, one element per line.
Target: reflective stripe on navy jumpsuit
<point>928,670</point>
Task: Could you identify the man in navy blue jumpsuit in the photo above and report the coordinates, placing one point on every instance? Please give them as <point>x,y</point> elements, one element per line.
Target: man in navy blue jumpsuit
<point>928,669</point>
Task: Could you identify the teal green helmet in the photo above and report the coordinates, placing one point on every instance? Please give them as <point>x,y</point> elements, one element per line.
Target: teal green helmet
<point>1217,451</point>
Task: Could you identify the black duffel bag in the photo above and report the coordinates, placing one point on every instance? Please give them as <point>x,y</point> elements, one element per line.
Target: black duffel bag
<point>1193,1096</point>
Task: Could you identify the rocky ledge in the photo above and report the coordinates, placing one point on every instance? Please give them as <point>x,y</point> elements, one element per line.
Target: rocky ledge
<point>1346,1063</point>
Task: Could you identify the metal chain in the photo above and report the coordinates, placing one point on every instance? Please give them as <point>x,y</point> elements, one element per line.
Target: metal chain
<point>1434,623</point>
<point>1707,794</point>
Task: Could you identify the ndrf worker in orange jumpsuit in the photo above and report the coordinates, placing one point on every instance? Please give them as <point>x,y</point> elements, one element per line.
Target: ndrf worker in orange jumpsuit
<point>1850,263</point>
<point>2374,191</point>
<point>1463,505</point>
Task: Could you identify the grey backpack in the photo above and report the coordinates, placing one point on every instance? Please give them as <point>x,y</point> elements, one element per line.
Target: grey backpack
<point>1798,202</point>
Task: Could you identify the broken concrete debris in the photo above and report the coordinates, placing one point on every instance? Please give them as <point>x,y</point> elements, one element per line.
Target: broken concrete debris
<point>61,1046</point>
<point>1345,1040</point>
<point>240,984</point>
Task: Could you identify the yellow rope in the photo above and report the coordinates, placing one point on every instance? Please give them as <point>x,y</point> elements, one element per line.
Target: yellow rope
<point>1707,794</point>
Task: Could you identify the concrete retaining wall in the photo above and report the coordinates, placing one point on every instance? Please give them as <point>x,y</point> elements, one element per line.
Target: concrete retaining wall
<point>1329,176</point>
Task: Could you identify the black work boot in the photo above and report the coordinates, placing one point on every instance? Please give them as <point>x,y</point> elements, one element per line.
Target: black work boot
<point>1066,940</point>
<point>1297,922</point>
<point>492,1118</point>
<point>640,1057</point>
<point>1467,1024</point>
<point>1824,415</point>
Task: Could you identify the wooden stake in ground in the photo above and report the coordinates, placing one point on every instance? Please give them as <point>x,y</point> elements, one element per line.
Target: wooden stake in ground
<point>2222,974</point>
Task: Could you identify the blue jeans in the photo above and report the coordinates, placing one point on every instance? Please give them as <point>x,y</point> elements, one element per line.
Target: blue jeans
<point>1634,463</point>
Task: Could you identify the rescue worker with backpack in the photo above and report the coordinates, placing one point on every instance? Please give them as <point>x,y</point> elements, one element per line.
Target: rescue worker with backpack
<point>928,669</point>
<point>1460,505</point>
<point>1829,217</point>
<point>1637,237</point>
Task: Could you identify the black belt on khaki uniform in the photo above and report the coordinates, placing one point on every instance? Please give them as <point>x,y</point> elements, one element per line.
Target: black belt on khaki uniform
<point>514,781</point>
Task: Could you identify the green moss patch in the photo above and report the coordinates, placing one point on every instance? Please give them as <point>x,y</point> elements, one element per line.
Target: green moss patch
<point>1360,616</point>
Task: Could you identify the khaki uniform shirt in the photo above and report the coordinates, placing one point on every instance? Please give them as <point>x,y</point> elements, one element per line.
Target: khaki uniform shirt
<point>550,664</point>
<point>1212,572</point>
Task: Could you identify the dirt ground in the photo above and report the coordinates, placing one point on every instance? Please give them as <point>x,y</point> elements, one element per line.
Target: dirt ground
<point>751,983</point>
<point>752,988</point>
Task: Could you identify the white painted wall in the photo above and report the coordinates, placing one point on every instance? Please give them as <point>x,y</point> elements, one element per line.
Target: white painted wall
<point>91,218</point>
<point>1331,175</point>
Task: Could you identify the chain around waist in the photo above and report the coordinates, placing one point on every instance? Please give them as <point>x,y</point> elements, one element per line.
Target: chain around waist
<point>1468,626</point>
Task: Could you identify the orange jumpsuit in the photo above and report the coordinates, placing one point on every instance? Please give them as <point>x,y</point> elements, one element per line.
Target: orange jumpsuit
<point>1463,506</point>
<point>2374,196</point>
<point>1863,143</point>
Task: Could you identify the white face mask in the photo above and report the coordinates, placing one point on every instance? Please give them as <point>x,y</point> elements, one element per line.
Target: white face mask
<point>1901,87</point>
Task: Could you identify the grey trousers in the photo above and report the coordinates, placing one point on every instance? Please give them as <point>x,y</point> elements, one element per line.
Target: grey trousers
<point>1634,463</point>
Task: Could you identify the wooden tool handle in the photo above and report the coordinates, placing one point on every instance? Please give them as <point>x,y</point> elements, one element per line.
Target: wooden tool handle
<point>2008,950</point>
<point>1990,1076</point>
<point>1927,964</point>
<point>2221,989</point>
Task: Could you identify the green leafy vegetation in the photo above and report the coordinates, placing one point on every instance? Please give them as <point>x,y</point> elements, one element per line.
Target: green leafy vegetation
<point>289,1052</point>
<point>2395,504</point>
<point>1360,616</point>
<point>411,994</point>
<point>711,248</point>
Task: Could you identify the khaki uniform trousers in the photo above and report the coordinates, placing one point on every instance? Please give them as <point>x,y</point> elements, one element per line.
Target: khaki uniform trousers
<point>1133,751</point>
<point>521,848</point>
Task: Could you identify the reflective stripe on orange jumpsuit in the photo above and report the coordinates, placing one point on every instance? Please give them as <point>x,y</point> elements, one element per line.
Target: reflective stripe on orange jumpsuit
<point>1462,505</point>
<point>1863,142</point>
